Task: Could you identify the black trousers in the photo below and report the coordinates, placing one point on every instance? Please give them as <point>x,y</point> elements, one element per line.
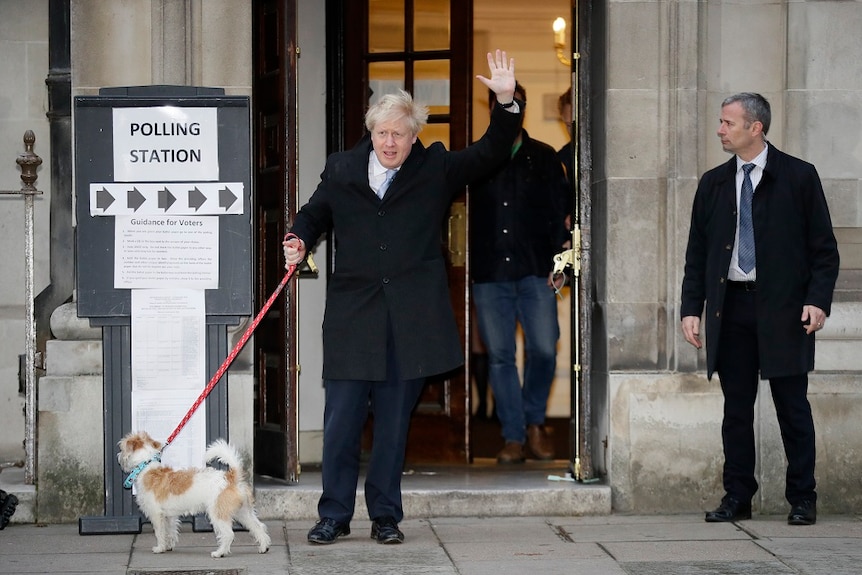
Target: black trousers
<point>347,408</point>
<point>738,370</point>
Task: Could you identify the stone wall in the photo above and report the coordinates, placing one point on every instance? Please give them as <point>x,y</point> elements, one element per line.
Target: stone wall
<point>669,66</point>
<point>665,445</point>
<point>70,463</point>
<point>23,105</point>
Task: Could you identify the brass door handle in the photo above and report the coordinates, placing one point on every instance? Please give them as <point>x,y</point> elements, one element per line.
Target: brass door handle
<point>457,234</point>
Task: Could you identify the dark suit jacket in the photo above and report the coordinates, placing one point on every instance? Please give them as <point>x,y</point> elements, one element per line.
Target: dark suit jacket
<point>389,264</point>
<point>796,251</point>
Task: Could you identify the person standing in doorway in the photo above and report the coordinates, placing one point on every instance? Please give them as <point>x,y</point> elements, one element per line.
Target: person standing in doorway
<point>763,259</point>
<point>517,226</point>
<point>566,153</point>
<point>388,323</point>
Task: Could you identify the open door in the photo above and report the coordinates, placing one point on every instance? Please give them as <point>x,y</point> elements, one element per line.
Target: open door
<point>426,47</point>
<point>274,128</point>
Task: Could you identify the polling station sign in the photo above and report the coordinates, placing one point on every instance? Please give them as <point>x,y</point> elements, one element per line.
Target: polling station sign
<point>165,143</point>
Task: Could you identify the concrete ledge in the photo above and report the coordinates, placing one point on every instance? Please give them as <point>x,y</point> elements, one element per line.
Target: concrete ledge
<point>66,325</point>
<point>73,357</point>
<point>665,448</point>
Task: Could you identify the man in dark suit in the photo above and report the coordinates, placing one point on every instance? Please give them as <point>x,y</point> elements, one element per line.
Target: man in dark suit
<point>766,271</point>
<point>388,323</point>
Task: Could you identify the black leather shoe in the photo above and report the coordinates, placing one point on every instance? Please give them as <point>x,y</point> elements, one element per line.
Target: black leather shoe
<point>803,513</point>
<point>326,531</point>
<point>8,503</point>
<point>385,530</point>
<point>731,509</point>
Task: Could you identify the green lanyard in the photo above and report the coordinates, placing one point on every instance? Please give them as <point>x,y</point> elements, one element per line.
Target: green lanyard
<point>516,147</point>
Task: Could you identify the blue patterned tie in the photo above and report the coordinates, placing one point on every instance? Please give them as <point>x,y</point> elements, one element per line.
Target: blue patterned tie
<point>390,174</point>
<point>745,253</point>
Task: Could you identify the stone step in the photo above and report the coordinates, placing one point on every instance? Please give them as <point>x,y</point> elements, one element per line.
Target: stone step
<point>481,489</point>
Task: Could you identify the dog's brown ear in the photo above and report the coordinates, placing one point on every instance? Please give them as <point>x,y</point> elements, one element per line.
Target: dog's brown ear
<point>152,442</point>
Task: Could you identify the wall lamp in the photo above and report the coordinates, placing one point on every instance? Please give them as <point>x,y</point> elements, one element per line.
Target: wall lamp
<point>559,27</point>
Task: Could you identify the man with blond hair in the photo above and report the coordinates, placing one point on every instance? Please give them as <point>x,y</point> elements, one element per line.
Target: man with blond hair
<point>388,323</point>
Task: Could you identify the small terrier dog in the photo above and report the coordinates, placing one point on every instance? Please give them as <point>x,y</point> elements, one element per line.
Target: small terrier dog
<point>164,494</point>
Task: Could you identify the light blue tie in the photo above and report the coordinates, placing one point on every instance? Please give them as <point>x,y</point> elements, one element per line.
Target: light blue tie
<point>745,253</point>
<point>390,174</point>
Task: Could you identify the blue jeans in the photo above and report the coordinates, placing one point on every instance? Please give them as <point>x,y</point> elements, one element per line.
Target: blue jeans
<point>500,306</point>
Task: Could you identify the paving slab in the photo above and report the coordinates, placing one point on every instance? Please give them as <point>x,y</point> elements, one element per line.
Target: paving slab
<point>684,529</point>
<point>546,545</point>
<point>67,564</point>
<point>490,529</point>
<point>507,550</point>
<point>420,554</point>
<point>193,552</point>
<point>773,526</point>
<point>708,568</point>
<point>64,539</point>
<point>605,566</point>
<point>686,551</point>
<point>818,556</point>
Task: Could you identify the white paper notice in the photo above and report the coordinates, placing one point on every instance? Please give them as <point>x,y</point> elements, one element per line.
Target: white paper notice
<point>166,252</point>
<point>159,413</point>
<point>169,369</point>
<point>168,339</point>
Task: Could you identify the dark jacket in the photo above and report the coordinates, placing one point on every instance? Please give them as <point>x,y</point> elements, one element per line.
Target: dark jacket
<point>566,155</point>
<point>796,251</point>
<point>517,216</point>
<point>389,264</point>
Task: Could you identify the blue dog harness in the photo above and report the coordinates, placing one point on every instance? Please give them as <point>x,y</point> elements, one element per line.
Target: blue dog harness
<point>130,480</point>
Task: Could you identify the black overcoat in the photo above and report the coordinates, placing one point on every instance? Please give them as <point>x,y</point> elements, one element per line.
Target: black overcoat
<point>389,263</point>
<point>796,252</point>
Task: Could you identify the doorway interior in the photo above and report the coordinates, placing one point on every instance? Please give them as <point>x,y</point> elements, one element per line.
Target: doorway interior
<point>474,28</point>
<point>527,34</point>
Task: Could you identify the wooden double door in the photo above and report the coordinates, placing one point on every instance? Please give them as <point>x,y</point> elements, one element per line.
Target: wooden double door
<point>374,47</point>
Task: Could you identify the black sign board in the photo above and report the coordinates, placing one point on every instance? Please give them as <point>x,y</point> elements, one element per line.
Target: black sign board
<point>162,188</point>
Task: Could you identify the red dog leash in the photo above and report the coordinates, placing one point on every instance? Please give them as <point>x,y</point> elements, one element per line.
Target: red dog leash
<point>237,348</point>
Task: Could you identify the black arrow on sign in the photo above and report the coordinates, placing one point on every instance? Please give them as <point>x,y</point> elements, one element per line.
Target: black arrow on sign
<point>166,199</point>
<point>196,199</point>
<point>135,199</point>
<point>103,199</point>
<point>226,198</point>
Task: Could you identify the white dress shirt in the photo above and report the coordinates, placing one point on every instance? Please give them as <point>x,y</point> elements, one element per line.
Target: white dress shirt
<point>376,172</point>
<point>734,273</point>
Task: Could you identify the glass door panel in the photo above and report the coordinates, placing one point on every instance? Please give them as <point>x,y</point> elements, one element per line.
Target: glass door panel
<point>384,78</point>
<point>435,133</point>
<point>385,26</point>
<point>431,25</point>
<point>431,85</point>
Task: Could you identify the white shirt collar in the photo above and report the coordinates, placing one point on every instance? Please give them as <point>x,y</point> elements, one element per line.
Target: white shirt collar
<point>759,160</point>
<point>375,168</point>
